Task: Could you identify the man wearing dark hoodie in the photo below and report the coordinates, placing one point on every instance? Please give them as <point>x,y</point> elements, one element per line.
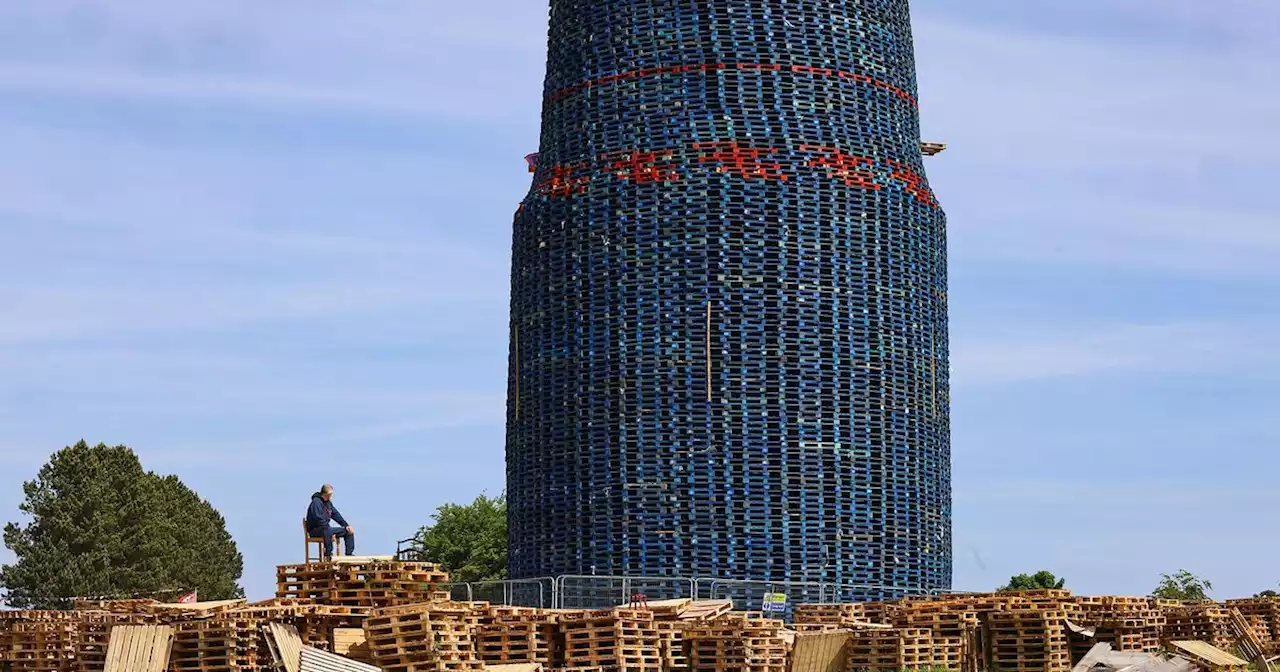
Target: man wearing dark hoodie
<point>320,513</point>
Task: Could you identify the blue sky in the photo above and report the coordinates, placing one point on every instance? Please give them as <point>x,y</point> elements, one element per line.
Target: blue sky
<point>267,245</point>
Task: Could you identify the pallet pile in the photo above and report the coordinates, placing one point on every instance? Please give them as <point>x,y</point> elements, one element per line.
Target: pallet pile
<point>224,636</point>
<point>953,625</point>
<point>736,642</point>
<point>434,637</point>
<point>817,617</point>
<point>890,649</point>
<point>1127,623</point>
<point>998,632</point>
<point>1263,613</point>
<point>225,643</point>
<point>1027,640</point>
<point>622,639</point>
<point>315,623</point>
<point>517,635</point>
<point>41,642</point>
<point>880,612</point>
<point>1208,622</point>
<point>371,583</point>
<point>94,634</point>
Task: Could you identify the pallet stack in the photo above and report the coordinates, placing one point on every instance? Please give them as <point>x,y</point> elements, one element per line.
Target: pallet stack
<point>622,639</point>
<point>516,635</point>
<point>430,637</point>
<point>954,627</point>
<point>889,650</point>
<point>883,612</point>
<point>1027,640</point>
<point>95,633</point>
<point>736,642</point>
<point>371,584</point>
<point>1208,622</point>
<point>1264,614</point>
<point>223,644</point>
<point>1127,623</point>
<point>40,641</point>
<point>827,616</point>
<point>672,650</point>
<point>316,623</point>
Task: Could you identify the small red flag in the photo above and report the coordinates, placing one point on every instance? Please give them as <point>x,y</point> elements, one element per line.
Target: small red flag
<point>188,598</point>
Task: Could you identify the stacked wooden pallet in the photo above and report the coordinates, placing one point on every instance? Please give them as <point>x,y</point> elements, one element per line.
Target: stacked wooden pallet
<point>737,643</point>
<point>625,640</point>
<point>310,582</point>
<point>1027,640</point>
<point>40,642</point>
<point>880,612</point>
<point>223,644</point>
<point>890,649</point>
<point>1207,622</point>
<point>1264,614</point>
<point>371,584</point>
<point>1127,623</point>
<point>671,645</point>
<point>95,634</point>
<point>435,637</point>
<point>954,626</point>
<point>839,615</point>
<point>516,635</point>
<point>386,584</point>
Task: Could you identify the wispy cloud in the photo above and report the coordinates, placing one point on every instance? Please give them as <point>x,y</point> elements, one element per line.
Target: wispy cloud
<point>1096,151</point>
<point>1019,355</point>
<point>291,55</point>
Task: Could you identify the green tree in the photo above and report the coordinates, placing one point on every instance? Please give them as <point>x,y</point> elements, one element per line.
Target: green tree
<point>469,540</point>
<point>100,525</point>
<point>1268,593</point>
<point>1039,581</point>
<point>1182,586</point>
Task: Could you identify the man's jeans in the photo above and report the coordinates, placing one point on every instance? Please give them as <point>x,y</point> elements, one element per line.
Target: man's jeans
<point>349,540</point>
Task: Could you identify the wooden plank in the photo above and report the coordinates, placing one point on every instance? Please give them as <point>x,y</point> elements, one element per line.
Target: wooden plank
<point>1203,652</point>
<point>161,645</point>
<point>1248,641</point>
<point>706,610</point>
<point>515,667</point>
<point>315,660</point>
<point>346,639</point>
<point>286,645</point>
<point>139,648</point>
<point>820,651</point>
<point>115,649</point>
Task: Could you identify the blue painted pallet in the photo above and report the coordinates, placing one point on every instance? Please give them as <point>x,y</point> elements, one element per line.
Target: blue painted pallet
<point>760,160</point>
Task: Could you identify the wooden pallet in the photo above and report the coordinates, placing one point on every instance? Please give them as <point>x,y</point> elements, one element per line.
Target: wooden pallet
<point>622,639</point>
<point>892,649</point>
<point>736,642</point>
<point>1027,640</point>
<point>1209,623</point>
<point>439,637</point>
<point>832,614</point>
<point>139,648</point>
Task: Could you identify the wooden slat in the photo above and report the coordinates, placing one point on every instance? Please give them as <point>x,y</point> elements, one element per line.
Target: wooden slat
<point>1212,656</point>
<point>139,648</point>
<point>820,651</point>
<point>315,660</point>
<point>285,645</point>
<point>514,667</point>
<point>1248,641</point>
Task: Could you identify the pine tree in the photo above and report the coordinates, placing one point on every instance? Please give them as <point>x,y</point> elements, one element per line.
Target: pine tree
<point>100,525</point>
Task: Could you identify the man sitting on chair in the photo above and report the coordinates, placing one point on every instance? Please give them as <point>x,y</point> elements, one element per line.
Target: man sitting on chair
<point>320,513</point>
